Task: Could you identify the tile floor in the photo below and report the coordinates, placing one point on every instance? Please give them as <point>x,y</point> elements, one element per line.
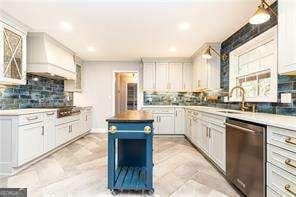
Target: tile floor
<point>80,169</point>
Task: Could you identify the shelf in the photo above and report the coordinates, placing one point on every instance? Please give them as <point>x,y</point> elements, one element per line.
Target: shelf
<point>130,178</point>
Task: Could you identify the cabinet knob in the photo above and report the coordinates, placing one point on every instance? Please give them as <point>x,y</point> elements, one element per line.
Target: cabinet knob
<point>147,129</point>
<point>112,129</point>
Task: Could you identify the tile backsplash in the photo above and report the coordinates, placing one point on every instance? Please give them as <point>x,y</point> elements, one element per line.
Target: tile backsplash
<point>38,92</point>
<point>286,84</point>
<point>173,98</point>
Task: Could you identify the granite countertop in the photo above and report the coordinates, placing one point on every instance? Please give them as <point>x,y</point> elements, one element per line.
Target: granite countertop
<point>286,122</point>
<point>132,116</point>
<point>159,106</point>
<point>16,112</point>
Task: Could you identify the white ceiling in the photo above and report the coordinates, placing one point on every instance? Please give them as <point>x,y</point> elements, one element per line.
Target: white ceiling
<point>127,30</point>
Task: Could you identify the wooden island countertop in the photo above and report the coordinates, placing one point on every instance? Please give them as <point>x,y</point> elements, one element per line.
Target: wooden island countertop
<point>132,116</point>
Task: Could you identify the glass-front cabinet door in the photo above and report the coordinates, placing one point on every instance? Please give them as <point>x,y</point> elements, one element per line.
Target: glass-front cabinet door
<point>12,56</point>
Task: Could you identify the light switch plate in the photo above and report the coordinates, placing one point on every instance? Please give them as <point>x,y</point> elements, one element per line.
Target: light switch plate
<point>286,98</point>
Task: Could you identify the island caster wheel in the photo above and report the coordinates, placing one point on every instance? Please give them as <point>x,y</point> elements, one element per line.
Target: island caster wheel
<point>150,192</point>
<point>114,192</point>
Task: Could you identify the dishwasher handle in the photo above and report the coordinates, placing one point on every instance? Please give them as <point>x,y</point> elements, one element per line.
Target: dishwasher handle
<point>242,129</point>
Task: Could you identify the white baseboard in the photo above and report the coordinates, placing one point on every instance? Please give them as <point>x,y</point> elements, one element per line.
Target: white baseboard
<point>98,130</point>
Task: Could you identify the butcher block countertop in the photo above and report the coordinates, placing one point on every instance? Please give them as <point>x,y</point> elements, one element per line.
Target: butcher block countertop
<point>132,116</point>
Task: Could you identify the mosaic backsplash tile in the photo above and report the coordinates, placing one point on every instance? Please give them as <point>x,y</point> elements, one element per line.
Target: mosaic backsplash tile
<point>173,98</point>
<point>43,92</point>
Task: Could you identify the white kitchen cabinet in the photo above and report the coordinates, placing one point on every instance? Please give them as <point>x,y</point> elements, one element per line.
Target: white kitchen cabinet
<point>204,137</point>
<point>194,134</point>
<point>286,37</point>
<point>49,130</point>
<point>161,76</point>
<point>75,129</point>
<point>74,85</point>
<point>13,63</point>
<point>217,146</point>
<point>206,72</point>
<point>165,124</point>
<point>179,120</point>
<point>30,142</point>
<point>89,119</point>
<point>187,76</point>
<point>175,77</point>
<point>149,76</point>
<point>62,133</point>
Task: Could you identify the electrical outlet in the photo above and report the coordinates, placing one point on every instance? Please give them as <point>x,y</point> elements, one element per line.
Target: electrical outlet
<point>286,98</point>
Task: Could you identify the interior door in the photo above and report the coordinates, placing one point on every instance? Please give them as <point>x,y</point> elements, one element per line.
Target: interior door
<point>175,77</point>
<point>166,124</point>
<point>31,142</point>
<point>161,74</point>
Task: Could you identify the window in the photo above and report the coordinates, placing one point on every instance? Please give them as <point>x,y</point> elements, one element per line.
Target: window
<point>254,67</point>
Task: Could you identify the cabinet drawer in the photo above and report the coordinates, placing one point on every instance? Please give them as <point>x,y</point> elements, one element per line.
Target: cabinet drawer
<point>282,138</point>
<point>30,118</point>
<point>282,158</point>
<point>280,181</point>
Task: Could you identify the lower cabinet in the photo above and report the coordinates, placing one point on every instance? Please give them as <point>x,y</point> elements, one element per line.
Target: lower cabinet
<point>164,123</point>
<point>62,133</point>
<point>208,135</point>
<point>30,142</point>
<point>49,131</point>
<point>179,120</point>
<point>217,145</point>
<point>75,129</point>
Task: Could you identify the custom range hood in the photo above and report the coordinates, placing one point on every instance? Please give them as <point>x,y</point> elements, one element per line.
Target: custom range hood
<point>48,57</point>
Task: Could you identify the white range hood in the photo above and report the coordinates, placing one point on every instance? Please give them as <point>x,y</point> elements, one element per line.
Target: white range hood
<point>47,57</point>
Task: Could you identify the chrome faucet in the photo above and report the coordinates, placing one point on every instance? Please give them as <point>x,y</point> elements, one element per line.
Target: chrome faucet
<point>243,107</point>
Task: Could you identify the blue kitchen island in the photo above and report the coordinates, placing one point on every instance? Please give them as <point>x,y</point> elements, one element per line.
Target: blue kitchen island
<point>130,146</point>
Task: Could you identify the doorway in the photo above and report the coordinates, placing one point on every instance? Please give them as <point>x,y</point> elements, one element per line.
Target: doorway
<point>126,91</point>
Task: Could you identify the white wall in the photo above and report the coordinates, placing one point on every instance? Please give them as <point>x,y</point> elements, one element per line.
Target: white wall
<point>98,88</point>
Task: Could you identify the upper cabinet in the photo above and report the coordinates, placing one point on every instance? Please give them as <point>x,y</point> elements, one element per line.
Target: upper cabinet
<point>12,55</point>
<point>206,72</point>
<point>149,76</point>
<point>286,37</point>
<point>167,76</point>
<point>49,58</point>
<point>75,85</point>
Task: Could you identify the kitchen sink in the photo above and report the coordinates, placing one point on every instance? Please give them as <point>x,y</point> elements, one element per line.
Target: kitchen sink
<point>229,112</point>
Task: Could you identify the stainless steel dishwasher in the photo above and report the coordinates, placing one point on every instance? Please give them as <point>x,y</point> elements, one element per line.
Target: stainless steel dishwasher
<point>245,156</point>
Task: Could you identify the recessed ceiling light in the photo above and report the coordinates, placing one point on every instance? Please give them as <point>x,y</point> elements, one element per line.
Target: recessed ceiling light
<point>65,26</point>
<point>172,49</point>
<point>184,26</point>
<point>91,49</point>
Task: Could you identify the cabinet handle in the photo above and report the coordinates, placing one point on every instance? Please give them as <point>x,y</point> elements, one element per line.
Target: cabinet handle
<point>50,113</point>
<point>69,128</point>
<point>159,119</point>
<point>290,162</point>
<point>289,188</point>
<point>291,140</point>
<point>176,113</point>
<point>86,118</point>
<point>42,132</point>
<point>207,132</point>
<point>210,135</point>
<point>32,118</point>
